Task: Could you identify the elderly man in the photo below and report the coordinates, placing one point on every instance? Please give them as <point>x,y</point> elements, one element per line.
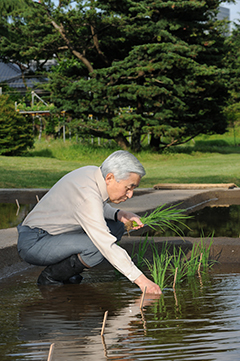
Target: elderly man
<point>74,227</point>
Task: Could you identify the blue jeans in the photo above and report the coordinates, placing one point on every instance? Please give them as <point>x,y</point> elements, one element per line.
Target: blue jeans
<point>40,248</point>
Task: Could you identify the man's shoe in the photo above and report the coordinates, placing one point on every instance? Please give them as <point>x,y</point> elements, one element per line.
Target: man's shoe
<point>61,272</point>
<point>46,279</point>
<point>74,280</point>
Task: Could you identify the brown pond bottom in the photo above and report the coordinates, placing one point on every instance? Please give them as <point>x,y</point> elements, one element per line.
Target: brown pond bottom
<point>199,321</point>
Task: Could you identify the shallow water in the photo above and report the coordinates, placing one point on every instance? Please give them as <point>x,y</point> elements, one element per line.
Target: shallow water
<point>11,214</point>
<point>200,321</point>
<point>221,221</point>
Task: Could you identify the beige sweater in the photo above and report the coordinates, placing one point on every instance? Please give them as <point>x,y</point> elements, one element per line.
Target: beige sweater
<point>79,201</point>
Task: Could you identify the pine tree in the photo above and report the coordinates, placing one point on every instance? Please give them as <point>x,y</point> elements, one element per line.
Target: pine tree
<point>233,61</point>
<point>131,66</point>
<point>169,79</point>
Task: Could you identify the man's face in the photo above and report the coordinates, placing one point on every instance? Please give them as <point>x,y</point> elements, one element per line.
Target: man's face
<point>120,191</point>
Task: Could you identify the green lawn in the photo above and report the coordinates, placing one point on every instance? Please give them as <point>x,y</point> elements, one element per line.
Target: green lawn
<point>200,168</point>
<point>48,162</point>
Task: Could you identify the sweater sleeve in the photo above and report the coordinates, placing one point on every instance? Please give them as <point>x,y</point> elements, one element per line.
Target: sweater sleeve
<point>109,211</point>
<point>96,228</point>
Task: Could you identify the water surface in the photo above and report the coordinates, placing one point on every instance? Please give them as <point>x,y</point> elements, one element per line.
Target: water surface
<point>221,221</point>
<point>200,321</point>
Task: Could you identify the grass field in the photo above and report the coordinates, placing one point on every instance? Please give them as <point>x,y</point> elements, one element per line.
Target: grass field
<point>213,159</point>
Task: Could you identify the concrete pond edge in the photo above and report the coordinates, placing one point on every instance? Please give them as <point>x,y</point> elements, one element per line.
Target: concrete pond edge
<point>224,250</point>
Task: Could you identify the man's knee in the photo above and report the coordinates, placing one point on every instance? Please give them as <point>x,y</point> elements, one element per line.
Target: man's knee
<point>91,256</point>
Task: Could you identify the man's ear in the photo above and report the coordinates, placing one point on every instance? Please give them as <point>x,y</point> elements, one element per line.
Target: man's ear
<point>109,178</point>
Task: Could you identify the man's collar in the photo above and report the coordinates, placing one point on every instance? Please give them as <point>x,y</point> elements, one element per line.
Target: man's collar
<point>101,184</point>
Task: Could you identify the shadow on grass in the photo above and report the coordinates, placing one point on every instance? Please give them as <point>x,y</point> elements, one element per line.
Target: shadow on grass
<point>207,146</point>
<point>45,153</point>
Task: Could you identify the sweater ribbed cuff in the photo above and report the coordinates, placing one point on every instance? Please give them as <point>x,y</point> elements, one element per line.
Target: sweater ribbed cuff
<point>115,215</point>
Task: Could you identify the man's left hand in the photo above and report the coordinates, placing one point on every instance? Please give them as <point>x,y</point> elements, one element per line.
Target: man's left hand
<point>125,217</point>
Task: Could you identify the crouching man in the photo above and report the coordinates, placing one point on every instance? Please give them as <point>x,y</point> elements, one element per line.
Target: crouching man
<point>74,227</point>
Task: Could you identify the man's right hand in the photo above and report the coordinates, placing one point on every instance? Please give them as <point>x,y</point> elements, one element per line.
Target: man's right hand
<point>142,282</point>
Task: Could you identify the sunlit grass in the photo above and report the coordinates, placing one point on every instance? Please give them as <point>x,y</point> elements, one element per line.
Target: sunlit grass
<point>50,160</point>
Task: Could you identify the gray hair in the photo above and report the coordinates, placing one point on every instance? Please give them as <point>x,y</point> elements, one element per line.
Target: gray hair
<point>121,163</point>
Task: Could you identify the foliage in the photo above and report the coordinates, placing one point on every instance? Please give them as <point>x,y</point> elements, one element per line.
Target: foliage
<point>141,67</point>
<point>37,107</point>
<point>167,78</point>
<point>8,5</point>
<point>232,59</point>
<point>16,130</point>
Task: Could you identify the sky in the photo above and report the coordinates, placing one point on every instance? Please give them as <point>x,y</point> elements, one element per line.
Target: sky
<point>234,10</point>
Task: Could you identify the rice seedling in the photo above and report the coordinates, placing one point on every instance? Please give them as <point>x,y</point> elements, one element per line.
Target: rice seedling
<point>205,251</point>
<point>158,270</point>
<point>177,262</point>
<point>164,264</point>
<point>141,252</point>
<point>160,265</point>
<point>192,263</point>
<point>162,217</point>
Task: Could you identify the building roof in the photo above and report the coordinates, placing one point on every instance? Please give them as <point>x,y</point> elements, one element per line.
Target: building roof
<point>11,74</point>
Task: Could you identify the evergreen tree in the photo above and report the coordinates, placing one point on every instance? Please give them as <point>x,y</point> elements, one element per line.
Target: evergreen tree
<point>16,130</point>
<point>232,59</point>
<point>8,5</point>
<point>168,80</point>
<point>131,66</point>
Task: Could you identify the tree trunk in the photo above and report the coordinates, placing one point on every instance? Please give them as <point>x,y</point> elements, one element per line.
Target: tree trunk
<point>122,141</point>
<point>80,56</point>
<point>136,141</point>
<point>155,143</point>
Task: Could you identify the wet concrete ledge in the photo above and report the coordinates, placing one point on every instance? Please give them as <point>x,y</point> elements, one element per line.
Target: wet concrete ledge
<point>225,250</point>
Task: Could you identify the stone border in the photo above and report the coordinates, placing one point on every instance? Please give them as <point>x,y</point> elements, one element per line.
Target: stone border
<point>226,250</point>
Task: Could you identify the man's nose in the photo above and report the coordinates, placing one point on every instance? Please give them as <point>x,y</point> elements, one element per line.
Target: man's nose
<point>129,193</point>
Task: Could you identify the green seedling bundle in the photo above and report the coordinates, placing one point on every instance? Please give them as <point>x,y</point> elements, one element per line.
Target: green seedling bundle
<point>162,217</point>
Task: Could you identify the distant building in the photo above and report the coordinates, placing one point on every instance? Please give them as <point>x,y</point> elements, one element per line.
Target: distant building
<point>224,14</point>
<point>11,75</point>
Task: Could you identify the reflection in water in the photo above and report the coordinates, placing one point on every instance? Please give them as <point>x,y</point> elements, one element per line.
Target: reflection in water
<point>11,214</point>
<point>223,221</point>
<point>199,321</point>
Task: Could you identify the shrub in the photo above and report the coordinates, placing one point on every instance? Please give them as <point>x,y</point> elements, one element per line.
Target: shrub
<point>16,130</point>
